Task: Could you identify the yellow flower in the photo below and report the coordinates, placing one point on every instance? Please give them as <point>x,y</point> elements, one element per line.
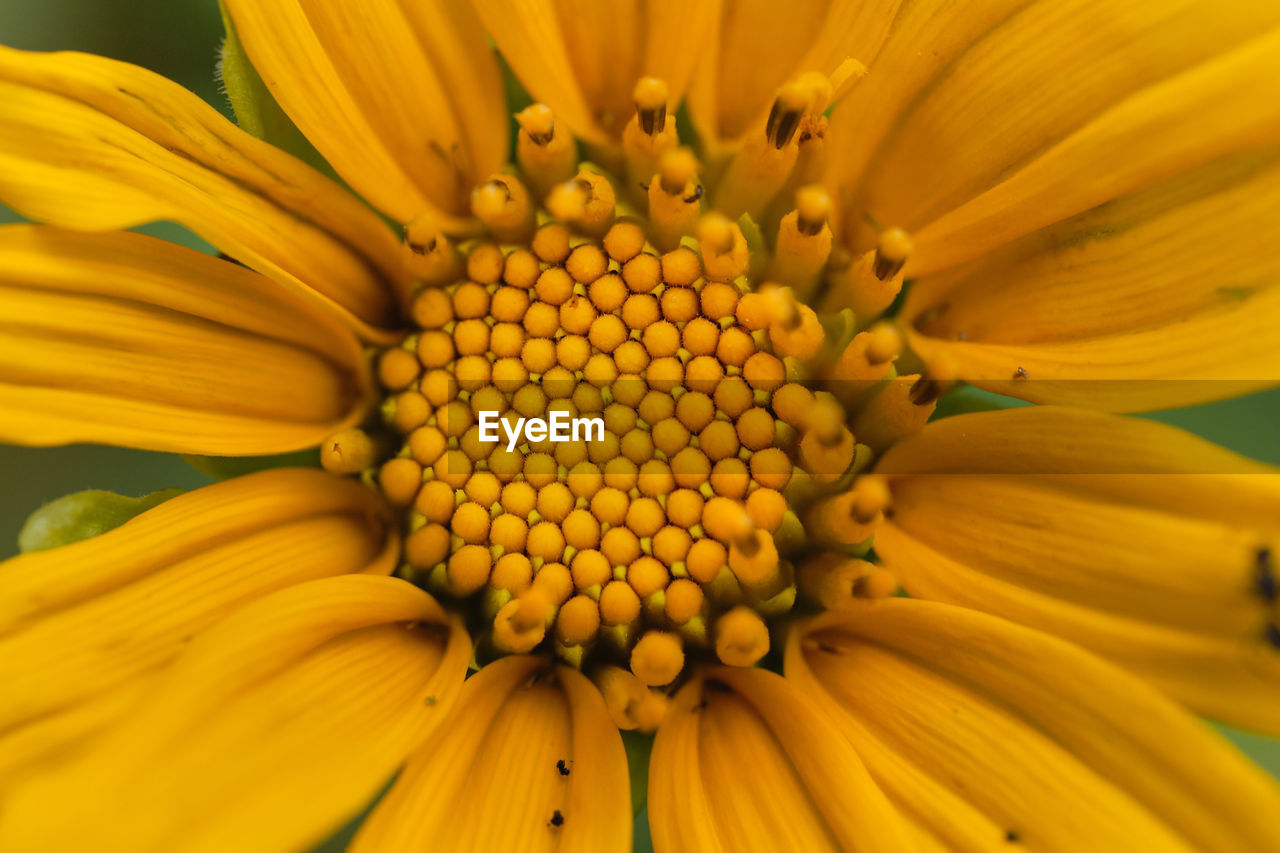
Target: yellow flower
<point>1083,198</point>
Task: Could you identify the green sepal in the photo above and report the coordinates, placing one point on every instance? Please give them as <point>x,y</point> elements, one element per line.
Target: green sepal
<point>256,110</point>
<point>226,467</point>
<point>966,399</point>
<point>83,515</point>
<point>638,747</point>
<point>756,245</point>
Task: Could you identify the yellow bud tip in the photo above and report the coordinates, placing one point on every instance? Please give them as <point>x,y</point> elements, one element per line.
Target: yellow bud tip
<point>742,638</point>
<point>784,117</point>
<point>490,199</point>
<point>827,420</point>
<point>421,234</point>
<point>871,497</point>
<point>400,479</point>
<point>878,583</point>
<point>817,90</point>
<point>513,631</point>
<point>538,122</point>
<point>813,206</point>
<point>650,95</point>
<point>676,169</point>
<point>348,452</point>
<point>578,621</point>
<point>715,232</point>
<point>892,251</point>
<point>630,703</point>
<point>884,343</point>
<point>753,559</point>
<point>650,711</point>
<point>657,658</point>
<point>568,201</point>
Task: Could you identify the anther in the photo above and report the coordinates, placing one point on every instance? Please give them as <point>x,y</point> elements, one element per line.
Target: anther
<point>813,206</point>
<point>673,205</point>
<point>677,170</point>
<point>431,257</point>
<point>503,205</point>
<point>348,452</point>
<point>522,622</point>
<point>784,116</point>
<point>725,254</point>
<point>742,638</point>
<point>795,330</point>
<point>586,202</point>
<point>891,414</point>
<point>544,150</point>
<point>650,96</point>
<point>892,251</point>
<point>832,581</point>
<point>870,498</point>
<point>631,704</point>
<point>657,658</point>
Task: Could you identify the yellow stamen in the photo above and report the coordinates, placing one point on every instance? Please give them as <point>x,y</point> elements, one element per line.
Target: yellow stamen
<point>503,204</point>
<point>674,198</point>
<point>648,135</point>
<point>348,452</point>
<point>742,638</point>
<point>587,202</point>
<point>429,254</point>
<point>657,658</point>
<point>891,415</point>
<point>544,149</point>
<point>804,240</point>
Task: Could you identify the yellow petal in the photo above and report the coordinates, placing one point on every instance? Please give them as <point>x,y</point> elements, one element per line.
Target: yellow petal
<point>745,762</point>
<point>987,733</point>
<point>94,144</point>
<point>1003,84</point>
<point>82,621</point>
<point>123,339</point>
<point>529,760</point>
<point>758,46</point>
<point>1166,298</point>
<point>273,729</point>
<point>1133,539</point>
<point>403,99</point>
<point>1221,107</point>
<point>583,58</point>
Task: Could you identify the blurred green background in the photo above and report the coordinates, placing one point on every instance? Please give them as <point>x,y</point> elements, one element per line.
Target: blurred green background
<point>180,39</point>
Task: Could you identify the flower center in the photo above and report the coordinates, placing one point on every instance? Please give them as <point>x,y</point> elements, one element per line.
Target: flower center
<point>717,478</point>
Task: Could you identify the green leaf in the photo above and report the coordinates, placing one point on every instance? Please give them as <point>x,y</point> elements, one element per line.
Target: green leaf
<point>638,747</point>
<point>83,515</point>
<point>226,467</point>
<point>256,110</point>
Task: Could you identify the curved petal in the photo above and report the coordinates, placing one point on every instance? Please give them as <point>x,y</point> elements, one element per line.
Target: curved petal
<point>1166,298</point>
<point>989,734</point>
<point>124,339</point>
<point>83,625</point>
<point>744,762</point>
<point>94,144</point>
<point>404,99</point>
<point>529,760</point>
<point>273,729</point>
<point>758,46</point>
<point>1140,542</point>
<point>1011,90</point>
<point>583,58</point>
